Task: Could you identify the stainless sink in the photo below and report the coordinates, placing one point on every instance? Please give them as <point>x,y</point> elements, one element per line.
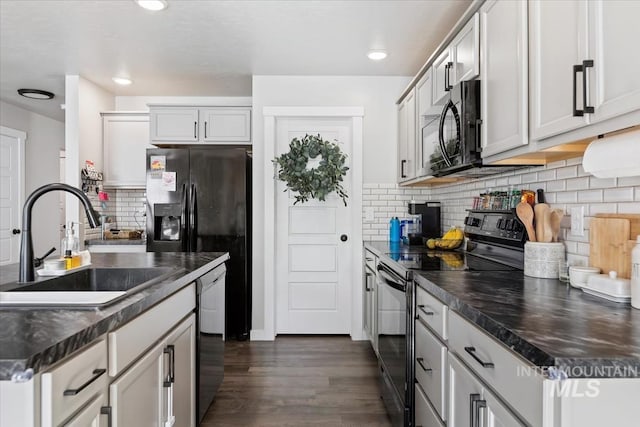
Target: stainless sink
<point>92,287</point>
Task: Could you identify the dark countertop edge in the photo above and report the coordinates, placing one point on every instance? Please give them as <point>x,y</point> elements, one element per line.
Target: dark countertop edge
<point>89,334</point>
<point>99,242</point>
<point>572,367</point>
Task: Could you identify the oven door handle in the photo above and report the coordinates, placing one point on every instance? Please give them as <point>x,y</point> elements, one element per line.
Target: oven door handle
<point>388,278</point>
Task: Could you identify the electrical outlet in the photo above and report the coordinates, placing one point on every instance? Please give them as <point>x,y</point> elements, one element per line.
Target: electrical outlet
<point>368,213</point>
<point>577,221</point>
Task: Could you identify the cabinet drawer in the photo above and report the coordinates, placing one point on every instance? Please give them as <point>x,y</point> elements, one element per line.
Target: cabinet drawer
<point>513,378</point>
<point>127,343</point>
<point>82,377</point>
<point>424,413</point>
<point>432,311</point>
<point>431,367</point>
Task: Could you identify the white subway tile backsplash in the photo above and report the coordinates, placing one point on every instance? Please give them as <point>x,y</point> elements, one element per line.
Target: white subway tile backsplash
<point>590,196</point>
<point>629,208</point>
<point>602,182</point>
<point>567,172</point>
<point>547,175</point>
<point>629,181</point>
<point>618,195</point>
<point>577,183</point>
<point>567,197</point>
<point>556,186</point>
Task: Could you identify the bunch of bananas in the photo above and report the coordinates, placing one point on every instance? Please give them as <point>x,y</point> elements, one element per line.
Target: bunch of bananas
<point>450,240</point>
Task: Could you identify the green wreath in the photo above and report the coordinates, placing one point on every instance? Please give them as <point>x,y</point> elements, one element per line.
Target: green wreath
<point>314,183</point>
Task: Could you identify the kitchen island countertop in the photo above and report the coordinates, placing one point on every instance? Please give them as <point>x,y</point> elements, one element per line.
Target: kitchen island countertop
<point>545,321</point>
<point>38,337</point>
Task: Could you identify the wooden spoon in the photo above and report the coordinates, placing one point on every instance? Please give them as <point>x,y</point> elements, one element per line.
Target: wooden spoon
<point>554,223</point>
<point>525,214</point>
<point>543,229</point>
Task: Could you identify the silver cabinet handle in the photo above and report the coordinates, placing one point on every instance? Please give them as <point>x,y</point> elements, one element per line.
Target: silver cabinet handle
<point>195,130</point>
<point>425,312</point>
<point>106,410</point>
<point>205,130</point>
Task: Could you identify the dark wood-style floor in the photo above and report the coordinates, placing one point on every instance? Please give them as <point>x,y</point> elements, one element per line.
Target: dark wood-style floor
<point>299,381</point>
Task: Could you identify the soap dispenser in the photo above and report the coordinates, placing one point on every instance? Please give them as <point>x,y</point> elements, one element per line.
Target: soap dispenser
<point>70,241</point>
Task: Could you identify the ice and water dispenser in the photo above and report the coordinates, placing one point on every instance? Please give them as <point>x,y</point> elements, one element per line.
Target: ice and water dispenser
<point>166,221</point>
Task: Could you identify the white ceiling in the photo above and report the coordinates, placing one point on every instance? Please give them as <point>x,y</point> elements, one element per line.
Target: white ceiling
<point>208,48</point>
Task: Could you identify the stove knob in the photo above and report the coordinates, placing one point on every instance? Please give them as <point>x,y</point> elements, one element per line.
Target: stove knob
<point>467,221</point>
<point>510,224</point>
<point>499,224</point>
<point>517,226</point>
<point>475,222</point>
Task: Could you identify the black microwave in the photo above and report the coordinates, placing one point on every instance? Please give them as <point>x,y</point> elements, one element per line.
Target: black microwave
<point>451,139</point>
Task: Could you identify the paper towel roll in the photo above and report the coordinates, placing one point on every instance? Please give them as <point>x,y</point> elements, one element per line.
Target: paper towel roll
<point>614,156</point>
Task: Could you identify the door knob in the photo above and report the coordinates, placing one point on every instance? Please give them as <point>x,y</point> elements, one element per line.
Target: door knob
<point>15,231</point>
<point>344,237</point>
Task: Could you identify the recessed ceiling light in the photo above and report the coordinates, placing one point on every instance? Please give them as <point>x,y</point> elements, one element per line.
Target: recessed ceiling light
<point>154,5</point>
<point>122,81</point>
<point>35,93</point>
<point>376,55</point>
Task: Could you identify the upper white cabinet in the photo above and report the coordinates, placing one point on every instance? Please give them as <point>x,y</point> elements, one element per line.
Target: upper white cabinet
<point>426,112</point>
<point>458,62</point>
<point>209,125</point>
<point>407,137</point>
<point>503,69</point>
<point>613,33</point>
<point>125,140</point>
<point>581,48</point>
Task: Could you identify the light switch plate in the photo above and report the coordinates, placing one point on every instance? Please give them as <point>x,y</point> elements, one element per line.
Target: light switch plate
<point>577,221</point>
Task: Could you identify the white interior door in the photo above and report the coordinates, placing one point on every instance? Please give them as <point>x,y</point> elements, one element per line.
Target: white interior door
<point>313,290</point>
<point>11,192</point>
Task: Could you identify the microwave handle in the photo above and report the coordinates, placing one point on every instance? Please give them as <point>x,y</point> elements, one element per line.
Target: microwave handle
<point>443,147</point>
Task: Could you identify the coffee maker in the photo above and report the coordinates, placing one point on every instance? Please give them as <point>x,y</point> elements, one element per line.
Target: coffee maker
<point>429,225</point>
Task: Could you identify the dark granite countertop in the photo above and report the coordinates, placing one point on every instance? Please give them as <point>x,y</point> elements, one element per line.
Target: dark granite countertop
<point>93,242</point>
<point>38,337</point>
<point>545,321</point>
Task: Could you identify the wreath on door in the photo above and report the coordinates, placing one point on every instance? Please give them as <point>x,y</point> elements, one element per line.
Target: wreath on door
<point>313,182</point>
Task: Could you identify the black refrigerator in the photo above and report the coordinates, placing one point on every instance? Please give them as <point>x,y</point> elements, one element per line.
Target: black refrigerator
<point>199,200</point>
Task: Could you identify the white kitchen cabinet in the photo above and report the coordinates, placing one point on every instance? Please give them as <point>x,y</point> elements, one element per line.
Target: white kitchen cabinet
<point>174,124</point>
<point>125,142</point>
<point>407,138</point>
<point>493,413</point>
<point>504,75</point>
<point>181,344</point>
<point>459,61</point>
<point>613,37</point>
<point>225,124</point>
<point>441,77</point>
<point>200,125</point>
<point>464,390</point>
<point>73,384</point>
<point>465,52</point>
<point>370,299</point>
<point>97,413</point>
<point>136,397</point>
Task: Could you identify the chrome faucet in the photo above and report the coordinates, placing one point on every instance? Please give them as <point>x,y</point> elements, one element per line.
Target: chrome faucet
<point>26,273</point>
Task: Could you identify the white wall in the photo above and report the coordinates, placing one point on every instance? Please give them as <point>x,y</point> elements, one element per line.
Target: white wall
<point>376,94</point>
<point>139,103</point>
<point>83,135</point>
<point>45,139</point>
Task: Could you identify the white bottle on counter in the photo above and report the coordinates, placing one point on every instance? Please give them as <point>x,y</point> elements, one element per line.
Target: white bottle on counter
<point>635,275</point>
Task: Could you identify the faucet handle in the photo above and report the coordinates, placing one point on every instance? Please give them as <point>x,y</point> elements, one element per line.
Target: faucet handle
<point>37,262</point>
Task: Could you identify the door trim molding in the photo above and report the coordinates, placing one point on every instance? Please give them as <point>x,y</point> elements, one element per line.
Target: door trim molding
<point>22,139</point>
<point>271,114</point>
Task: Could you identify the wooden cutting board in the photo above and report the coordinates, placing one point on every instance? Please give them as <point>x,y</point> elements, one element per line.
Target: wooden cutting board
<point>633,218</point>
<point>608,245</point>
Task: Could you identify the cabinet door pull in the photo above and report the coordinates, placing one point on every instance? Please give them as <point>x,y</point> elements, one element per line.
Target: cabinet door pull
<point>425,312</point>
<point>475,404</point>
<point>448,79</point>
<point>195,130</point>
<point>106,410</point>
<point>171,351</point>
<point>585,107</point>
<point>420,361</point>
<point>205,130</point>
<point>402,174</point>
<point>472,352</point>
<point>96,374</point>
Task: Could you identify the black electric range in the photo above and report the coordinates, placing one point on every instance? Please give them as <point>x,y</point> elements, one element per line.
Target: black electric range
<point>495,242</point>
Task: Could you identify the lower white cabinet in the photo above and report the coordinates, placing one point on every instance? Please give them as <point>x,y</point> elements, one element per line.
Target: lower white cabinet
<point>472,404</point>
<point>136,397</point>
<point>181,390</point>
<point>370,298</point>
<point>95,414</point>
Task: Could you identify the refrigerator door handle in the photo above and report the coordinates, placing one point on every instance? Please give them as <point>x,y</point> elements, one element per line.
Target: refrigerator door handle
<point>193,221</point>
<point>183,219</point>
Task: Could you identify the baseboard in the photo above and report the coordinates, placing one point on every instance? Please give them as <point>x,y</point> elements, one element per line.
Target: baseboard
<point>261,335</point>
